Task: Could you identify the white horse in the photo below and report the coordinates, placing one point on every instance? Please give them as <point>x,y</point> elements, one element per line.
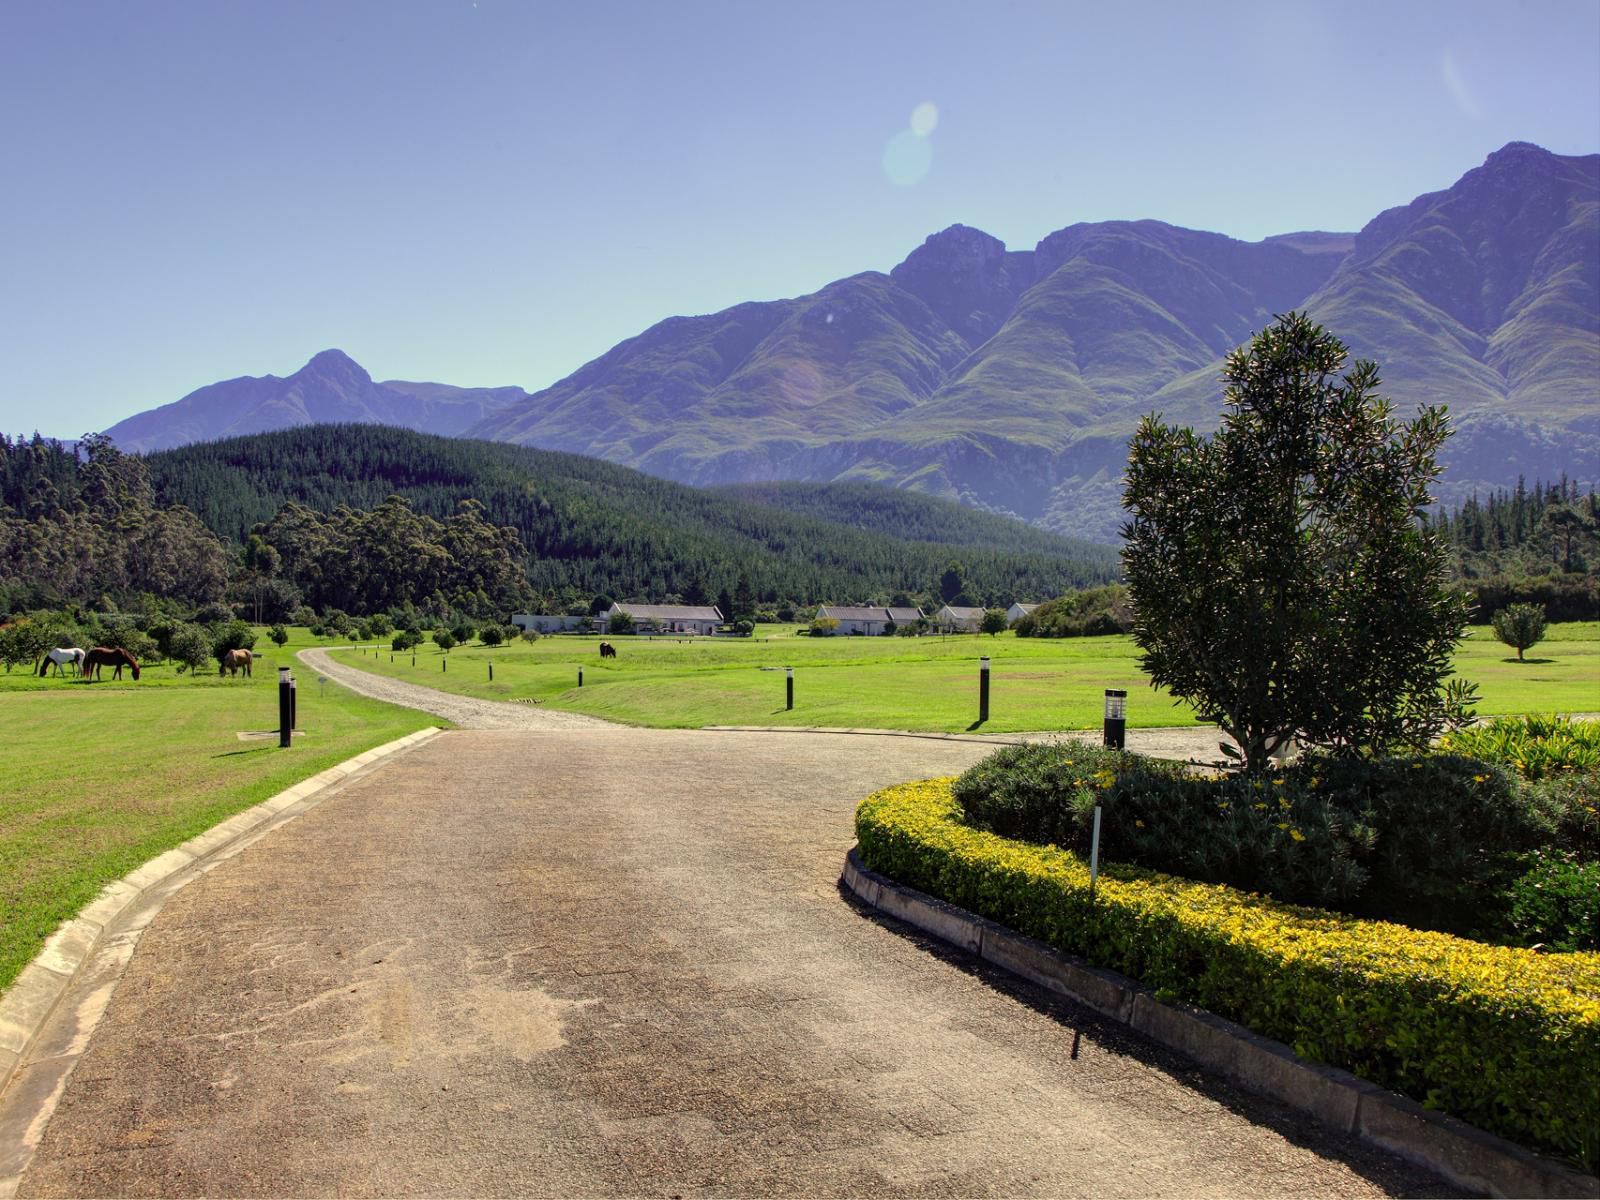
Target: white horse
<point>59,657</point>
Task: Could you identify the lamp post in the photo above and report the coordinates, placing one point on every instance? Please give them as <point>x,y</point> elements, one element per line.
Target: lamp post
<point>983,689</point>
<point>789,686</point>
<point>1116,726</point>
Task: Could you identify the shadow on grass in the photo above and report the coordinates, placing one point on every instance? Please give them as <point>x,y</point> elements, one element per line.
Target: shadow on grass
<point>255,750</point>
<point>1094,1037</point>
<point>975,725</point>
<point>1526,662</point>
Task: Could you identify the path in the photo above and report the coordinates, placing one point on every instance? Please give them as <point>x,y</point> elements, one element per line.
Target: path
<point>586,960</point>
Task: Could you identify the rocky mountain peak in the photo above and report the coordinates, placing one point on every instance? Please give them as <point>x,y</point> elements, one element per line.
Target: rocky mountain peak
<point>968,277</point>
<point>335,365</point>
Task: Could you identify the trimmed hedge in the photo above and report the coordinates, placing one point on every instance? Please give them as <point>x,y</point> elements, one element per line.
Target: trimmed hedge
<point>1506,1039</point>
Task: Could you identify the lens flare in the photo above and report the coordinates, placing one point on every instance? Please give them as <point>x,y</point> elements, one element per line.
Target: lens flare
<point>924,118</point>
<point>906,158</point>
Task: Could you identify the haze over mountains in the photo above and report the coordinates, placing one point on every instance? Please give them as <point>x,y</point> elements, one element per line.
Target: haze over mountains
<point>1011,379</point>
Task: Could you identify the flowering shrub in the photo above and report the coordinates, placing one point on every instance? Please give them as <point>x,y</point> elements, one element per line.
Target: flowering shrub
<point>1507,1039</point>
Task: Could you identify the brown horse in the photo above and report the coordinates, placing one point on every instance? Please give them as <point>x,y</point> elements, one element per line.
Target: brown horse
<point>607,650</point>
<point>235,661</point>
<point>108,656</point>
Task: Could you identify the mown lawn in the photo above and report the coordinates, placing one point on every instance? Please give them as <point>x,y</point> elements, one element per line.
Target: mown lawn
<point>101,777</point>
<point>925,684</point>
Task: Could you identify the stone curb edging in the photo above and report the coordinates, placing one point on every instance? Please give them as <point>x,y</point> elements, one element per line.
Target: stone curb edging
<point>1466,1156</point>
<point>34,995</point>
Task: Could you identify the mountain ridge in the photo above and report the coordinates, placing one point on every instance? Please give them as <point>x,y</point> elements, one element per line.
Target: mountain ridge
<point>1010,379</point>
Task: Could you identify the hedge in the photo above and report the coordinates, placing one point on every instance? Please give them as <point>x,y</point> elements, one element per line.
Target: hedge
<point>1507,1039</point>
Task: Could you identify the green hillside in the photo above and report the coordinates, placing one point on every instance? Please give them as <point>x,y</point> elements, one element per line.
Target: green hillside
<point>591,526</point>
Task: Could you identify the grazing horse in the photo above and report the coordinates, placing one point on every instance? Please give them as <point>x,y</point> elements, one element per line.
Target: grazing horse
<point>59,657</point>
<point>235,661</point>
<point>607,650</point>
<point>108,656</point>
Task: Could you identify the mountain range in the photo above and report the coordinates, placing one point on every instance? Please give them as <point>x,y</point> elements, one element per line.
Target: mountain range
<point>1011,379</point>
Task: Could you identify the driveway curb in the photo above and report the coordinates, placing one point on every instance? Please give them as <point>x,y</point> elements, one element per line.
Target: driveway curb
<point>1467,1156</point>
<point>110,926</point>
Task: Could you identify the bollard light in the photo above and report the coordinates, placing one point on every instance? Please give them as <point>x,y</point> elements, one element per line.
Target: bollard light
<point>1116,721</point>
<point>983,689</point>
<point>789,685</point>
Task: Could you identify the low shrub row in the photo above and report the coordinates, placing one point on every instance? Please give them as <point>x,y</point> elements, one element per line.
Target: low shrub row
<point>1504,1038</point>
<point>1534,746</point>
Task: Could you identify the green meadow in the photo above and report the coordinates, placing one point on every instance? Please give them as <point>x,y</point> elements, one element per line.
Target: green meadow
<point>924,684</point>
<point>101,777</point>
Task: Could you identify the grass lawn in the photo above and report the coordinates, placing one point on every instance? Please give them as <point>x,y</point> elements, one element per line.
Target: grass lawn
<point>100,778</point>
<point>928,684</point>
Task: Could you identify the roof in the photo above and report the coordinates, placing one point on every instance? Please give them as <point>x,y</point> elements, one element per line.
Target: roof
<point>1026,608</point>
<point>963,613</point>
<point>901,615</point>
<point>845,612</point>
<point>671,612</point>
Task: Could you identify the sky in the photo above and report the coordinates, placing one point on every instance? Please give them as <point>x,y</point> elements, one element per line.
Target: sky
<point>482,192</point>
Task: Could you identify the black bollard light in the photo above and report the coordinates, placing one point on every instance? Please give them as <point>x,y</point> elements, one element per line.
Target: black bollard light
<point>294,704</point>
<point>983,689</point>
<point>789,685</point>
<point>284,720</point>
<point>491,670</point>
<point>1116,730</point>
<point>580,676</point>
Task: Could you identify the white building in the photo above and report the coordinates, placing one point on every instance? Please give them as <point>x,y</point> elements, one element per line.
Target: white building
<point>1019,610</point>
<point>869,620</point>
<point>698,619</point>
<point>548,624</point>
<point>958,619</point>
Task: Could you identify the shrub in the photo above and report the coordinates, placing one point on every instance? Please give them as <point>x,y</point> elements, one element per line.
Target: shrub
<point>620,622</point>
<point>1089,613</point>
<point>278,635</point>
<point>994,621</point>
<point>530,635</point>
<point>1555,903</point>
<point>444,639</point>
<point>1572,804</point>
<point>1534,746</point>
<point>1427,841</point>
<point>491,635</point>
<point>744,628</point>
<point>379,625</point>
<point>824,626</point>
<point>1504,1038</point>
<point>405,639</point>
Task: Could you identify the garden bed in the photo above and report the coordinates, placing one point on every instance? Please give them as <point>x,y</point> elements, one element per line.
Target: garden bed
<point>1504,1038</point>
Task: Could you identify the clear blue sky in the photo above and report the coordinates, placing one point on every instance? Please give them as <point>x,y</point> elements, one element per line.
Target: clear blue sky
<point>496,192</point>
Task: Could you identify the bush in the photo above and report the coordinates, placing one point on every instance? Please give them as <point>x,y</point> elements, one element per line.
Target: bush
<point>1092,612</point>
<point>530,634</point>
<point>491,635</point>
<point>1534,746</point>
<point>824,626</point>
<point>744,628</point>
<point>1555,904</point>
<point>1572,804</point>
<point>278,635</point>
<point>379,625</point>
<point>620,622</point>
<point>444,639</point>
<point>1425,841</point>
<point>404,639</point>
<point>1504,1038</point>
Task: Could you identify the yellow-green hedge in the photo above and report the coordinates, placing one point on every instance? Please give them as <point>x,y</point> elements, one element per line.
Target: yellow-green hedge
<point>1504,1038</point>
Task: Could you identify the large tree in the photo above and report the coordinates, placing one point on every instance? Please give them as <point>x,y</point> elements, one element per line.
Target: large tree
<point>1283,579</point>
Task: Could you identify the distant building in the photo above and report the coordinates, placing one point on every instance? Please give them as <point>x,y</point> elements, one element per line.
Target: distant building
<point>1019,610</point>
<point>870,620</point>
<point>548,624</point>
<point>698,619</point>
<point>961,619</point>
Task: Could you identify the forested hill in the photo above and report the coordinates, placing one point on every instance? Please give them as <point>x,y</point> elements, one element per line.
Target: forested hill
<point>914,516</point>
<point>592,527</point>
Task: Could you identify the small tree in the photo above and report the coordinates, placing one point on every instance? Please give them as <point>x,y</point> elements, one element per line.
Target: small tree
<point>491,635</point>
<point>994,621</point>
<point>1519,626</point>
<point>443,639</point>
<point>379,625</point>
<point>404,639</point>
<point>189,648</point>
<point>1282,577</point>
<point>278,635</point>
<point>620,622</point>
<point>824,626</point>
